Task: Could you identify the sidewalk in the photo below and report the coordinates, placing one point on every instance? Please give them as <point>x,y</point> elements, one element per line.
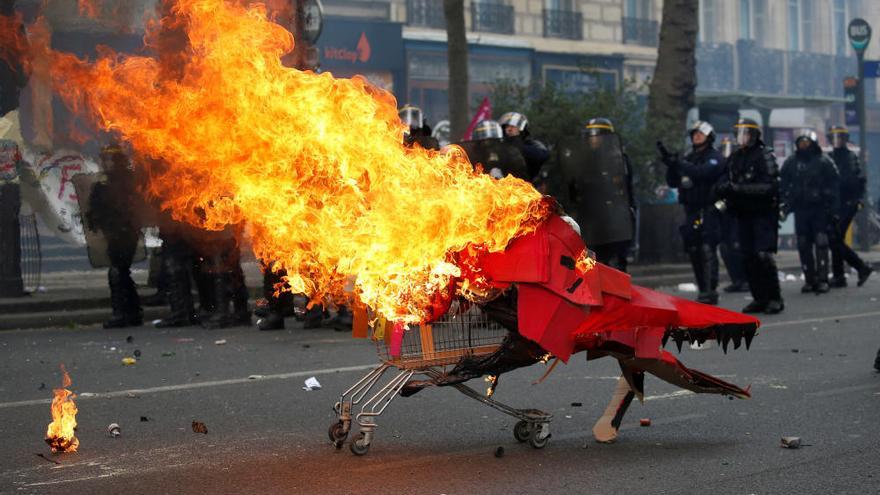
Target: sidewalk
<point>82,297</point>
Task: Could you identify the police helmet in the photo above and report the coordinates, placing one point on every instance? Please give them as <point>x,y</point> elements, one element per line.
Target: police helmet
<point>727,146</point>
<point>839,136</point>
<point>705,128</point>
<point>487,129</point>
<point>806,134</point>
<point>747,131</point>
<point>599,126</point>
<point>514,119</point>
<point>411,116</point>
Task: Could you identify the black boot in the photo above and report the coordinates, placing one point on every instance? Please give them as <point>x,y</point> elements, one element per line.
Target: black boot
<point>179,294</point>
<point>314,317</point>
<point>877,361</point>
<point>221,317</point>
<point>864,273</point>
<point>753,275</point>
<point>709,272</point>
<point>272,321</point>
<point>123,300</point>
<point>770,275</point>
<point>837,282</point>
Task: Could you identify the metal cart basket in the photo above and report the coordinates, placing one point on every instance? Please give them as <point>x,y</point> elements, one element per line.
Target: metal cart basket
<point>464,331</point>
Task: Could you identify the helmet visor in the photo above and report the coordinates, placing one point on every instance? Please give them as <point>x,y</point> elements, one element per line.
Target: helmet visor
<point>744,135</point>
<point>411,117</point>
<point>839,139</point>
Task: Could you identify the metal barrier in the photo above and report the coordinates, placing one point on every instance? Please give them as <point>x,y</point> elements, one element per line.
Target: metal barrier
<point>31,254</point>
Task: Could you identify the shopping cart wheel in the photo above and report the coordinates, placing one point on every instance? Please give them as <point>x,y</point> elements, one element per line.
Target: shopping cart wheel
<point>358,445</point>
<point>538,439</point>
<point>522,431</point>
<point>337,433</point>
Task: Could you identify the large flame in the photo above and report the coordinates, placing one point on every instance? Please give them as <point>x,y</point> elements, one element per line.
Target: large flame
<point>313,164</point>
<point>60,435</point>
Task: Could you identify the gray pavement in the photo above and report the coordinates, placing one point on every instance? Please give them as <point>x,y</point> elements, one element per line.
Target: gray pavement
<point>810,372</point>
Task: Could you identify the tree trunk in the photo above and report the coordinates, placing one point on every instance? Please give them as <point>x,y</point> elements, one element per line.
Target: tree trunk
<point>456,37</point>
<point>675,76</point>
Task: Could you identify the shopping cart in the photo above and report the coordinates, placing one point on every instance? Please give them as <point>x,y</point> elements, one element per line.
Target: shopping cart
<point>463,332</point>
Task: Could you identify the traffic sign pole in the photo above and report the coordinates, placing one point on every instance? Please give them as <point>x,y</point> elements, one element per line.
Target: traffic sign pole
<point>859,32</point>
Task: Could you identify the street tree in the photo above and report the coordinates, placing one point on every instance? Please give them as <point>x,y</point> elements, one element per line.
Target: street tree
<point>457,59</point>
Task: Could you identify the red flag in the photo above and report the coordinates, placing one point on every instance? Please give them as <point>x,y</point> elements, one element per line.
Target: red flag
<point>483,113</point>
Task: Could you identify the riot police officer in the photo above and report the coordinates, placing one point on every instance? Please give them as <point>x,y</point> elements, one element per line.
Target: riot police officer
<point>810,189</point>
<point>729,246</point>
<point>498,158</point>
<point>695,177</point>
<point>516,132</point>
<point>852,191</point>
<point>751,192</point>
<point>592,179</point>
<point>419,130</point>
<point>111,212</point>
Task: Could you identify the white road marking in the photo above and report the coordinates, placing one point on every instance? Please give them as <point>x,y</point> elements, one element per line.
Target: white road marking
<point>842,390</point>
<point>819,320</point>
<point>671,395</point>
<point>190,386</point>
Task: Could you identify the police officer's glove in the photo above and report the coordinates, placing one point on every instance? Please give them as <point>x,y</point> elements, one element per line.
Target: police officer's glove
<point>723,189</point>
<point>783,213</point>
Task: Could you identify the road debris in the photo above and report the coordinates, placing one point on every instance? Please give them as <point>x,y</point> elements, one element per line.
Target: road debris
<point>199,427</point>
<point>128,361</point>
<point>220,342</point>
<point>257,377</point>
<point>687,287</point>
<point>144,419</point>
<point>499,452</point>
<point>790,442</point>
<point>645,422</point>
<point>137,353</point>
<point>113,430</point>
<point>576,404</point>
<point>312,384</point>
<point>169,354</point>
<point>129,339</point>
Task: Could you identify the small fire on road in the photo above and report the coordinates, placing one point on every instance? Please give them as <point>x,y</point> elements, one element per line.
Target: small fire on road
<point>60,435</point>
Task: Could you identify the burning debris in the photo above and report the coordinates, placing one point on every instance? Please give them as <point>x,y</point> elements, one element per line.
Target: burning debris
<point>60,435</point>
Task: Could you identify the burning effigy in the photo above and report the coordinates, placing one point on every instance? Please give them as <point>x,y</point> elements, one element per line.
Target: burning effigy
<point>455,275</point>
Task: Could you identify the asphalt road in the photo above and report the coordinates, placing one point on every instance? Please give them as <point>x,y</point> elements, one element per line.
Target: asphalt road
<point>810,371</point>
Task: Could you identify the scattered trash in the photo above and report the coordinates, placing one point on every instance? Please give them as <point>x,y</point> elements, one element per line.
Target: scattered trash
<point>257,377</point>
<point>576,404</point>
<point>156,321</point>
<point>114,430</point>
<point>183,340</point>
<point>130,395</point>
<point>790,278</point>
<point>199,427</point>
<point>113,348</point>
<point>169,354</point>
<point>128,361</point>
<point>645,422</point>
<point>499,452</point>
<point>306,346</point>
<point>144,419</point>
<point>778,387</point>
<point>791,442</point>
<point>312,384</point>
<point>137,353</point>
<point>687,287</point>
<point>42,386</point>
<point>129,339</point>
<point>220,342</point>
<point>795,351</point>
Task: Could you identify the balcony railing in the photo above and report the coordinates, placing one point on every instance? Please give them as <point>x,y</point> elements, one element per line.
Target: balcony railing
<point>638,31</point>
<point>492,17</point>
<point>425,13</point>
<point>768,71</point>
<point>563,24</point>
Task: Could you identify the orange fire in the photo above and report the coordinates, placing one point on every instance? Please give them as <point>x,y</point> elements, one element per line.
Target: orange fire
<point>60,435</point>
<point>314,165</point>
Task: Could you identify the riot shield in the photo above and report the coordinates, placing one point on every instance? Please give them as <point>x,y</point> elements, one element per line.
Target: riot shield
<point>594,184</point>
<point>495,153</point>
<point>96,242</point>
